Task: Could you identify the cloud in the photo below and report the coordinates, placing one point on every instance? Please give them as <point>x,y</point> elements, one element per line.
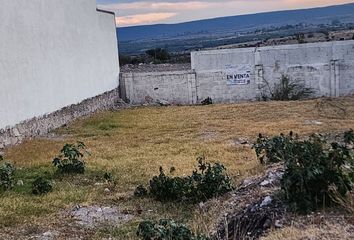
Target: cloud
<point>156,6</point>
<point>138,12</point>
<point>147,18</point>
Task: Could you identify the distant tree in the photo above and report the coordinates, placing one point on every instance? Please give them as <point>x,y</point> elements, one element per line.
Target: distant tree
<point>336,22</point>
<point>353,37</point>
<point>124,60</point>
<point>300,38</point>
<point>158,54</point>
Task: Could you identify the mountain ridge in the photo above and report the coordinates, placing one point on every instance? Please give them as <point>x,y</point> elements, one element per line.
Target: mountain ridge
<point>238,23</point>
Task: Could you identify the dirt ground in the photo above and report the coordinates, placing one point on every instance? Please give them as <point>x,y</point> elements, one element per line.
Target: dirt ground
<point>132,144</point>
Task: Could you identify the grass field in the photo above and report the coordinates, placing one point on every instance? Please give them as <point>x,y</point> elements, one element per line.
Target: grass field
<point>132,144</point>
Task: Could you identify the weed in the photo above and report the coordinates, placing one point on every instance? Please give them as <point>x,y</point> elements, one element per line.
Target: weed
<point>7,172</point>
<point>311,167</point>
<point>166,229</point>
<point>286,90</point>
<point>271,150</point>
<point>41,186</point>
<point>70,159</point>
<point>206,182</point>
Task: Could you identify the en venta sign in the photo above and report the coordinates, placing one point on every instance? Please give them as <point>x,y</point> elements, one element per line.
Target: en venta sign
<point>238,75</point>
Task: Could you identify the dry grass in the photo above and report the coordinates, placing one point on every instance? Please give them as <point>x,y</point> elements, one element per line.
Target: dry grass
<point>133,143</point>
<point>327,231</point>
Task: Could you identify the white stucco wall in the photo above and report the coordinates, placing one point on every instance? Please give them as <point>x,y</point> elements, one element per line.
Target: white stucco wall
<point>53,53</point>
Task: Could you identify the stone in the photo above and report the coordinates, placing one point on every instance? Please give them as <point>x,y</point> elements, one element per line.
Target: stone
<point>15,132</point>
<point>95,216</point>
<point>19,183</point>
<point>313,122</point>
<point>267,200</point>
<point>162,102</point>
<point>266,183</point>
<point>278,224</point>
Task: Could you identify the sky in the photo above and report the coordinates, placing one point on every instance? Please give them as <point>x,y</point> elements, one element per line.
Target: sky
<point>146,12</point>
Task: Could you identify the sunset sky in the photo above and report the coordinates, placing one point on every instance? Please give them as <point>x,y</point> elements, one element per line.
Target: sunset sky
<point>142,12</point>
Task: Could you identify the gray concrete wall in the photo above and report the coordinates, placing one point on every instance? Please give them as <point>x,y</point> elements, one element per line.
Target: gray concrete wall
<point>328,68</point>
<point>53,53</point>
<point>175,87</point>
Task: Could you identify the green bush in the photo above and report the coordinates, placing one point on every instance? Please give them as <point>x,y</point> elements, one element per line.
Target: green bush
<point>272,150</point>
<point>206,182</point>
<point>70,159</point>
<point>7,172</point>
<point>312,168</point>
<point>41,186</point>
<point>166,229</point>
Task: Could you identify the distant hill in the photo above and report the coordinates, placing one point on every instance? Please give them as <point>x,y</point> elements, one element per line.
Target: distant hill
<point>323,15</point>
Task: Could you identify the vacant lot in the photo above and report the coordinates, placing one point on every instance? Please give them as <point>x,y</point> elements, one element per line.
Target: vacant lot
<point>132,144</point>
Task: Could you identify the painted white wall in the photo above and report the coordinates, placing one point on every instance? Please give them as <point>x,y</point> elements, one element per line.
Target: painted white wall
<point>53,53</point>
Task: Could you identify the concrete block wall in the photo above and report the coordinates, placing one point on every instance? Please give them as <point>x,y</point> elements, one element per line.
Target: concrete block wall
<point>327,67</point>
<point>175,87</point>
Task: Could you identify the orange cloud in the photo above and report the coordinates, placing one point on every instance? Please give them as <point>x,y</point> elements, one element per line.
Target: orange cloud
<point>147,18</point>
<point>159,6</point>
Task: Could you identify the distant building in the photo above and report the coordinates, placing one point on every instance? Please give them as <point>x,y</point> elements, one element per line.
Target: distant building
<point>53,53</point>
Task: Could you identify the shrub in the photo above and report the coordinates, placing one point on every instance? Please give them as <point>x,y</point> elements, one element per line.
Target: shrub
<point>272,150</point>
<point>41,186</point>
<point>166,229</point>
<point>312,168</point>
<point>164,188</point>
<point>210,181</point>
<point>286,90</point>
<point>206,182</point>
<point>207,101</point>
<point>7,172</point>
<point>70,159</point>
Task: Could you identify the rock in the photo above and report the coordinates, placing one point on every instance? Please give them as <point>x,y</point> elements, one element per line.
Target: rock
<point>201,205</point>
<point>95,216</point>
<point>267,224</point>
<point>162,102</point>
<point>265,183</point>
<point>15,132</point>
<point>278,224</point>
<point>49,235</point>
<point>313,122</point>
<point>107,190</point>
<point>19,183</point>
<point>267,200</point>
